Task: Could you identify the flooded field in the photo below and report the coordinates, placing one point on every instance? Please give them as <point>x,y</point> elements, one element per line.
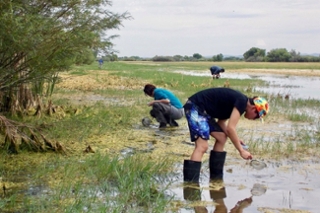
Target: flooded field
<point>284,186</point>
<point>288,184</point>
<point>303,87</point>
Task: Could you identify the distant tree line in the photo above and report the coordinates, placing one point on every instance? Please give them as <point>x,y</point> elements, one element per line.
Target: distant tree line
<point>194,57</point>
<point>254,54</point>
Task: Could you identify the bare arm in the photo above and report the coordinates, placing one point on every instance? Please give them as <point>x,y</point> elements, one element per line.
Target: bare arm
<point>230,130</point>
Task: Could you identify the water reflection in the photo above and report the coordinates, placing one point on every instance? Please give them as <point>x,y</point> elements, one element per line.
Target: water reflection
<point>218,195</point>
<point>246,189</point>
<point>192,192</point>
<point>242,204</point>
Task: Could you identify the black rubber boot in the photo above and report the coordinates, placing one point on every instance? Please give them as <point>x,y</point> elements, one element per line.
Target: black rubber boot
<point>191,171</point>
<point>216,164</point>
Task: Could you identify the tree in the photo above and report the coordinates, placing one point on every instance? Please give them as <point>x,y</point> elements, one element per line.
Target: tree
<point>197,56</point>
<point>295,56</point>
<point>218,57</point>
<point>40,38</point>
<point>186,58</point>
<point>85,57</point>
<point>178,58</point>
<point>278,55</point>
<point>254,54</point>
<point>162,58</point>
<point>112,57</point>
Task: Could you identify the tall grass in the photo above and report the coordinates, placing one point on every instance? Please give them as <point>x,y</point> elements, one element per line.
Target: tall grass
<point>97,183</point>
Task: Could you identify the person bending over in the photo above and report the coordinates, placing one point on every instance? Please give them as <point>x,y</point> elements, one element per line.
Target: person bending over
<point>216,112</point>
<point>166,107</point>
<point>215,71</point>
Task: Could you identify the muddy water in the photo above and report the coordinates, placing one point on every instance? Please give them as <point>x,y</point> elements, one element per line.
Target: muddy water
<point>282,185</point>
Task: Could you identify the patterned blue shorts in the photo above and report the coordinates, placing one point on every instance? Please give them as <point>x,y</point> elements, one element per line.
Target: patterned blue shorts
<point>200,123</point>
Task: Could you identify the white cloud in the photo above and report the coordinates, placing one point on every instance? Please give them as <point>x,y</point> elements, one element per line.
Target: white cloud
<point>209,27</point>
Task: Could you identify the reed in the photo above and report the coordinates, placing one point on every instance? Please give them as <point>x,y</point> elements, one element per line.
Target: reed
<point>97,182</point>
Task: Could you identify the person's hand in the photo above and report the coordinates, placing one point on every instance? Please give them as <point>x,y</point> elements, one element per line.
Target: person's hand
<point>150,103</point>
<point>245,154</point>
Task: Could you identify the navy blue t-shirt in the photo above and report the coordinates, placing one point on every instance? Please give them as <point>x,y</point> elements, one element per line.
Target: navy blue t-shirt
<point>219,102</point>
<point>215,70</point>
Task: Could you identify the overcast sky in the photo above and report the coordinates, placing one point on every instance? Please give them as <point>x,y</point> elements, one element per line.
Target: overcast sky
<point>211,27</point>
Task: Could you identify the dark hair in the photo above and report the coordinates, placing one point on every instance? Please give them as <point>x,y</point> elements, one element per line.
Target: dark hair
<point>252,103</point>
<point>251,100</point>
<point>148,89</point>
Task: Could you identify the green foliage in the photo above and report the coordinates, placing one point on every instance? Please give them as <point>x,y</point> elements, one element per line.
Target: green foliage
<point>254,54</point>
<point>86,56</point>
<point>218,57</point>
<point>131,58</point>
<point>178,58</point>
<point>39,38</point>
<point>232,58</point>
<point>278,55</point>
<point>130,184</point>
<point>162,58</point>
<point>197,56</point>
<point>111,57</point>
<point>295,56</point>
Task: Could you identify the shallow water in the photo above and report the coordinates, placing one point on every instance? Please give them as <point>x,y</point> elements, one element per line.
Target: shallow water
<point>282,185</point>
<point>295,86</point>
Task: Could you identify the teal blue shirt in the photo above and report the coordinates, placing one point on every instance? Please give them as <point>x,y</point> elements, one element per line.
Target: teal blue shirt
<point>160,93</point>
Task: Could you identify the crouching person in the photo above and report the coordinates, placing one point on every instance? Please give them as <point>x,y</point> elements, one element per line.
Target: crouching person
<point>166,107</point>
